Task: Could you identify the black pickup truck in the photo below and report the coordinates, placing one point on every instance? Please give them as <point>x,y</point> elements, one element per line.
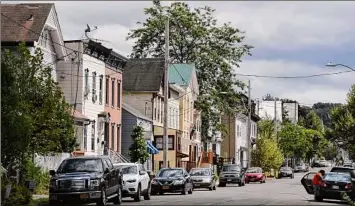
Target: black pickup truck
<point>86,179</point>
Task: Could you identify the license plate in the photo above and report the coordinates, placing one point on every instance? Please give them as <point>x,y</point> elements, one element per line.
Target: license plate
<point>165,187</point>
<point>229,180</point>
<point>197,185</point>
<point>84,196</point>
<point>335,187</point>
<point>252,179</point>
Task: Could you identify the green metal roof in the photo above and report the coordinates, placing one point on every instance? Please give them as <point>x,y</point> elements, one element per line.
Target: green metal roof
<point>181,73</point>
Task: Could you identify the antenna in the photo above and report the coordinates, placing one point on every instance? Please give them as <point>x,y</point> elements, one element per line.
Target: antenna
<point>88,30</point>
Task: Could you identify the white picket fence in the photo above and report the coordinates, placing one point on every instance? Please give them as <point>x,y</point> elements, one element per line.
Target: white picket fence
<point>50,162</point>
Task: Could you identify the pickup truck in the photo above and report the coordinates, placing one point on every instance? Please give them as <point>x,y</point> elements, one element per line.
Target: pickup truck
<point>86,179</point>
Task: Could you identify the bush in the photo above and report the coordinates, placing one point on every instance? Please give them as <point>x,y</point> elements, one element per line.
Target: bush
<point>19,195</point>
<point>41,178</point>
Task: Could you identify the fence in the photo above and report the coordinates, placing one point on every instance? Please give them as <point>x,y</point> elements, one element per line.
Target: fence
<point>50,162</point>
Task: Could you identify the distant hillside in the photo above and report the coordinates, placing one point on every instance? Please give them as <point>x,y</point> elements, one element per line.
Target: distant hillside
<point>323,110</point>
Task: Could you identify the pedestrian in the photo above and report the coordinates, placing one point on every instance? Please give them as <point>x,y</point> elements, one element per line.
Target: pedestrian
<point>317,180</point>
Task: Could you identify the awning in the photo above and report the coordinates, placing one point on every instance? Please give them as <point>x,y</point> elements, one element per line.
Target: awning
<point>151,149</point>
<point>181,155</point>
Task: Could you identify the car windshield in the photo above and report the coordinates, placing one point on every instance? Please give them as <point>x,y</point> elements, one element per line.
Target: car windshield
<point>253,170</point>
<point>80,165</point>
<point>170,173</point>
<point>344,170</point>
<point>337,177</point>
<point>231,168</point>
<point>200,172</point>
<point>285,169</point>
<point>128,169</point>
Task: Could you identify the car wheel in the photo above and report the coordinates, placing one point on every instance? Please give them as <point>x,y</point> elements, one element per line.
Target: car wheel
<point>103,199</point>
<point>161,193</point>
<point>147,194</point>
<point>137,197</point>
<point>183,192</point>
<point>118,199</point>
<point>210,188</point>
<point>318,198</point>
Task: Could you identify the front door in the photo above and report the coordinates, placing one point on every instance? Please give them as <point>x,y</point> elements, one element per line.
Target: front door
<point>307,182</point>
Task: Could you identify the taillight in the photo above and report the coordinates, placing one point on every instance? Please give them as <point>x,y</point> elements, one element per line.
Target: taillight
<point>348,186</point>
<point>324,185</point>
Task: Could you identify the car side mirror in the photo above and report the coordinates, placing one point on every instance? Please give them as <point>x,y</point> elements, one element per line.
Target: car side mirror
<point>51,172</point>
<point>106,171</point>
<point>142,173</point>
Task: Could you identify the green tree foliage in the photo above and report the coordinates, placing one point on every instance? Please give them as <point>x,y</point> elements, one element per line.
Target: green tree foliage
<point>330,151</point>
<point>138,149</point>
<point>323,110</point>
<point>266,129</point>
<point>267,154</point>
<point>196,38</point>
<point>302,113</point>
<point>343,123</point>
<point>35,116</point>
<point>312,121</point>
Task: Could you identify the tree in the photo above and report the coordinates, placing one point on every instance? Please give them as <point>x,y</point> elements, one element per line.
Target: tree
<point>35,116</point>
<point>323,111</point>
<point>313,121</point>
<point>196,38</point>
<point>266,129</point>
<point>343,123</point>
<point>138,149</point>
<point>267,154</point>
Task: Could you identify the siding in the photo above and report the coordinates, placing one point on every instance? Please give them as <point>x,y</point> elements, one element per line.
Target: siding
<point>128,122</point>
<point>92,109</point>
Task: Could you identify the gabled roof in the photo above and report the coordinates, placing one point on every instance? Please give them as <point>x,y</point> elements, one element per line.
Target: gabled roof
<point>143,75</point>
<point>30,15</point>
<point>135,112</point>
<point>181,73</point>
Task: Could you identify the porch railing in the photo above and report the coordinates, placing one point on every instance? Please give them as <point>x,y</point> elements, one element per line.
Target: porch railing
<point>117,157</point>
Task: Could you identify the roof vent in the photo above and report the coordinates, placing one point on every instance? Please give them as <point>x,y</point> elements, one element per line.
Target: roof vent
<point>31,18</point>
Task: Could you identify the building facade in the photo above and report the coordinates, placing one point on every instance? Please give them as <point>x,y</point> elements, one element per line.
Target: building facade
<point>40,30</point>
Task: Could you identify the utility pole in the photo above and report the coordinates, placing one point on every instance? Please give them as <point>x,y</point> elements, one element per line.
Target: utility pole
<point>275,119</point>
<point>166,95</point>
<point>249,125</point>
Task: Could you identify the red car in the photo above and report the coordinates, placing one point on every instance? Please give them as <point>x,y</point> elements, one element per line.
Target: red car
<point>255,174</point>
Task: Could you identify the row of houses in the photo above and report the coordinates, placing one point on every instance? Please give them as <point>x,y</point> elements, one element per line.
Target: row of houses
<point>111,94</point>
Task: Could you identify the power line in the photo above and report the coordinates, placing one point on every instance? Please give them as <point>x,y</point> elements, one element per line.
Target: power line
<point>293,77</point>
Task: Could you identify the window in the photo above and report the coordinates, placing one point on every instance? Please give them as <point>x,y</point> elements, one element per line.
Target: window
<point>85,137</point>
<point>100,88</point>
<point>86,82</point>
<point>107,90</point>
<point>118,93</point>
<point>214,148</point>
<point>118,137</point>
<point>159,142</point>
<point>113,93</point>
<point>93,137</point>
<point>94,97</point>
<point>239,132</point>
<point>112,136</point>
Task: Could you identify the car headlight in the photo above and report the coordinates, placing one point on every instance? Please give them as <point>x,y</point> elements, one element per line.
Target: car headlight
<point>131,181</point>
<point>221,175</point>
<point>154,182</point>
<point>179,182</point>
<point>94,183</point>
<point>207,179</point>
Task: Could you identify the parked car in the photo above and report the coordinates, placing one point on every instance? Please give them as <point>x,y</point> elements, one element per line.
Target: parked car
<point>286,172</point>
<point>334,184</point>
<point>172,180</point>
<point>255,174</point>
<point>231,174</point>
<point>203,178</point>
<point>348,165</point>
<point>348,170</point>
<point>301,168</point>
<point>136,181</point>
<point>86,179</point>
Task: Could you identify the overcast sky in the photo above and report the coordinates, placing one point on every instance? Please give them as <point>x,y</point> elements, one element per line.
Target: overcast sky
<point>290,38</point>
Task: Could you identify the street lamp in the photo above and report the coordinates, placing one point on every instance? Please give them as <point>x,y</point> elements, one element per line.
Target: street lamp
<point>331,64</point>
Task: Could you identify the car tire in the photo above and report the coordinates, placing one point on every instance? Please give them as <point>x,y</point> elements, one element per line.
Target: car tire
<point>240,184</point>
<point>148,193</point>
<point>118,199</point>
<point>137,197</point>
<point>318,198</point>
<point>183,191</point>
<point>161,193</point>
<point>103,199</point>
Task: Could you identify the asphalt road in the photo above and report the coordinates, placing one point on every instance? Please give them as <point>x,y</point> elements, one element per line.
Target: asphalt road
<point>274,192</point>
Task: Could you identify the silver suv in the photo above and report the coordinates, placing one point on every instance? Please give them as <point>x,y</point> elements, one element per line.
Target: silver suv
<point>231,174</point>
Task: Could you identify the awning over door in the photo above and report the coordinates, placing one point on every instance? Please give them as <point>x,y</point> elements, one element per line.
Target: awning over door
<point>151,149</point>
